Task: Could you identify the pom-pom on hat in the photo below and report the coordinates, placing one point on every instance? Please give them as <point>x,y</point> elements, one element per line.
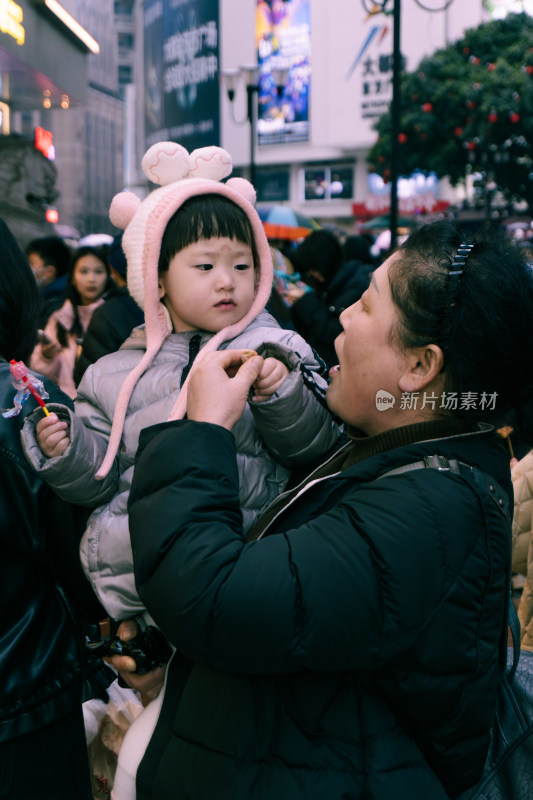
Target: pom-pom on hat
<point>180,175</point>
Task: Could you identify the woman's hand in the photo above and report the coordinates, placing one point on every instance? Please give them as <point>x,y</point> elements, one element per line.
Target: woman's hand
<point>219,386</point>
<point>148,685</point>
<point>49,349</point>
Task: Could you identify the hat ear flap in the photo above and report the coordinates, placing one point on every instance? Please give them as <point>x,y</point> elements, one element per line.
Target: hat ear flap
<point>123,208</point>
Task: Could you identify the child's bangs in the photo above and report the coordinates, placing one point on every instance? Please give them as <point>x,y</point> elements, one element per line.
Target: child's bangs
<point>206,216</point>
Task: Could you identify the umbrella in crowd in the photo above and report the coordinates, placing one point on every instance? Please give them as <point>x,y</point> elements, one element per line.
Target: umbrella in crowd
<point>283,222</point>
<point>383,221</point>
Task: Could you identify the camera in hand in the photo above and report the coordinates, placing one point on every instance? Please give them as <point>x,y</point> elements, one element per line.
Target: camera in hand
<point>149,648</point>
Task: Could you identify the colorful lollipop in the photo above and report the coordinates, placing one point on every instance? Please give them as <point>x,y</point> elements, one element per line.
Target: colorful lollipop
<point>25,383</point>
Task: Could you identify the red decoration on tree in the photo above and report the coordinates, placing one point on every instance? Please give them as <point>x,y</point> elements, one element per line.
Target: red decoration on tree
<point>458,131</point>
<point>493,117</point>
<point>474,60</point>
<point>514,117</point>
<point>402,138</point>
<point>470,104</point>
<point>528,69</point>
<point>492,66</point>
<point>466,51</point>
<point>470,145</point>
<point>427,107</point>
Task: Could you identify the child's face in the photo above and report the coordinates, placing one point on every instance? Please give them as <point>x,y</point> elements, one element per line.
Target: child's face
<point>89,278</point>
<point>209,284</point>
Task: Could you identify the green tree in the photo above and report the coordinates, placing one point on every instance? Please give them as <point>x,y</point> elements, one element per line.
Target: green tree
<point>469,104</point>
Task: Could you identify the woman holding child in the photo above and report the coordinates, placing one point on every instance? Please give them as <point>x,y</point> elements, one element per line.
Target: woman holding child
<point>349,646</point>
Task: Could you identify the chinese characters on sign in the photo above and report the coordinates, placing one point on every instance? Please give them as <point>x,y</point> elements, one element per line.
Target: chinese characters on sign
<point>181,55</point>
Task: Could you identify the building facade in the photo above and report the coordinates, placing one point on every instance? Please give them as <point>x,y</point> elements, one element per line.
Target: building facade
<point>306,147</point>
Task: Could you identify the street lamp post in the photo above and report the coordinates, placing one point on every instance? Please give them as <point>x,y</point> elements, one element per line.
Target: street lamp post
<point>250,74</point>
<point>231,79</point>
<point>382,6</point>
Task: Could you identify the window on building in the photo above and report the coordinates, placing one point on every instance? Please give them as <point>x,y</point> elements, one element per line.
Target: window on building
<point>124,74</point>
<point>124,7</point>
<point>272,185</point>
<point>327,182</point>
<point>125,41</point>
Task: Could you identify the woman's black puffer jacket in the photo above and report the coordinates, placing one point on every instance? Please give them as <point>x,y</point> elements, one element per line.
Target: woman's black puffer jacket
<point>352,652</point>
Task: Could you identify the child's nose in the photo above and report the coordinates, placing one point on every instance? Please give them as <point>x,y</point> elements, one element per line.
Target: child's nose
<point>226,279</point>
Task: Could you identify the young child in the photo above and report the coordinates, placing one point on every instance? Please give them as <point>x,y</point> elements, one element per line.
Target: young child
<point>88,279</point>
<point>199,265</point>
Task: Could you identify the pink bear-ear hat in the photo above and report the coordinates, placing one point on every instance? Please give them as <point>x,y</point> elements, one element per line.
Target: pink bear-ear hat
<point>122,209</point>
<point>179,176</point>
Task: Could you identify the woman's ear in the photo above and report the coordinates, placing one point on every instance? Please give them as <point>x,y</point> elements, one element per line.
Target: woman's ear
<point>423,366</point>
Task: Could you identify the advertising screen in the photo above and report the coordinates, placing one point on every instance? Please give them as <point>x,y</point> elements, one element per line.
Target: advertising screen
<point>283,30</point>
<point>181,63</point>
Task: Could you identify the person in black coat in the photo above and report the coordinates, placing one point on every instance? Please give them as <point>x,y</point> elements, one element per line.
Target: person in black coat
<point>112,323</point>
<point>334,284</point>
<point>43,749</point>
<point>350,645</point>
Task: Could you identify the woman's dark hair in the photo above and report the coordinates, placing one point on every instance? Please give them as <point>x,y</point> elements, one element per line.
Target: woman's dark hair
<point>205,216</point>
<point>321,252</point>
<point>53,251</point>
<point>357,248</point>
<point>72,293</point>
<point>19,302</point>
<point>483,327</point>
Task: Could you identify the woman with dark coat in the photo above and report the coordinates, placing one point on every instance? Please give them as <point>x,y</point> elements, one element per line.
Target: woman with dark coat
<point>114,320</point>
<point>43,749</point>
<point>351,647</point>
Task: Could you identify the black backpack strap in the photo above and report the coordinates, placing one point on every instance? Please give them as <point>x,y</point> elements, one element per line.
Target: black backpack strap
<point>500,498</point>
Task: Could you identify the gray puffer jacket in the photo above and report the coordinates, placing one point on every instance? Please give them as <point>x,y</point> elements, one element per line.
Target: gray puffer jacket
<point>288,430</point>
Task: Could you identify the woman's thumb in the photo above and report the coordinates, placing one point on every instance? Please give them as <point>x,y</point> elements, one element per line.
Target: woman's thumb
<point>251,369</point>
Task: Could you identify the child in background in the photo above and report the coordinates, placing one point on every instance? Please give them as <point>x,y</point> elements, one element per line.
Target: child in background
<point>89,277</point>
<point>199,265</point>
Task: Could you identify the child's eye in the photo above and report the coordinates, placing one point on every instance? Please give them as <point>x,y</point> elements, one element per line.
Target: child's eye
<point>242,266</point>
<point>204,267</point>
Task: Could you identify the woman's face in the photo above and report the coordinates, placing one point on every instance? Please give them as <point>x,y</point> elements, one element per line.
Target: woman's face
<point>368,362</point>
<point>89,278</point>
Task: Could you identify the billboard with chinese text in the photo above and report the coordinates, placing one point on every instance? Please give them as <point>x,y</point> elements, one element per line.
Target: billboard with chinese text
<point>181,63</point>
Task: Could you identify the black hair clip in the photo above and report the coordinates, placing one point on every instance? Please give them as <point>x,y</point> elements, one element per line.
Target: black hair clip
<point>456,272</point>
<point>454,279</point>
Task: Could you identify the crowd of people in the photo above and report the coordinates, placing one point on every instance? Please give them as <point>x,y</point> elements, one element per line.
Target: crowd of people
<point>280,462</point>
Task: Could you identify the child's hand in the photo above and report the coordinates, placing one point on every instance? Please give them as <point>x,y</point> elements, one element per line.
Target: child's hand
<point>52,435</point>
<point>270,379</point>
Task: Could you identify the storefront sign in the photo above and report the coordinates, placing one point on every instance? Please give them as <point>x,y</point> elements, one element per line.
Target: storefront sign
<point>11,20</point>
